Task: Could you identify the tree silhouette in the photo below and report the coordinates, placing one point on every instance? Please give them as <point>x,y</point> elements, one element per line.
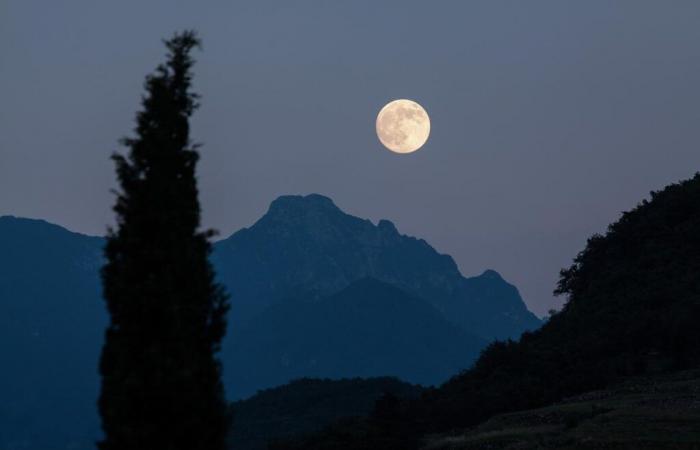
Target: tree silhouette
<point>161,383</point>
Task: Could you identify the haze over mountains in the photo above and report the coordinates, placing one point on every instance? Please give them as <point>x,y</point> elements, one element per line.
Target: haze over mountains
<point>314,292</point>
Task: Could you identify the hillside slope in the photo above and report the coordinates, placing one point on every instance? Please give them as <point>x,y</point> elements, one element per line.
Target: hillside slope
<point>52,323</point>
<point>52,317</point>
<point>307,405</point>
<point>633,307</point>
<point>655,413</point>
<point>368,329</point>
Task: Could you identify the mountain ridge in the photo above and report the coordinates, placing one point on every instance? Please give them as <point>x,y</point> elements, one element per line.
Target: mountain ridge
<point>51,292</point>
<point>632,310</point>
<point>368,329</point>
<point>311,246</point>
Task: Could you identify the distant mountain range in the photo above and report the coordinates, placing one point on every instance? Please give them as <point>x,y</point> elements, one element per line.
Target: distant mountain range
<point>367,329</point>
<point>314,292</point>
<point>51,326</point>
<point>305,245</point>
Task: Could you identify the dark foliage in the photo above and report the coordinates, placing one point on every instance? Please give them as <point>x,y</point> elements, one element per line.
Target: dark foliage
<point>387,427</point>
<point>161,385</point>
<point>307,405</point>
<point>633,308</point>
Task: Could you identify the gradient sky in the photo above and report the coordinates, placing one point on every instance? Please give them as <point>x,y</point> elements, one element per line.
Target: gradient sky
<point>549,118</point>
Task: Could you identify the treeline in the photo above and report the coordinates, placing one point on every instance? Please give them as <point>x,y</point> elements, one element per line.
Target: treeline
<point>633,307</point>
<point>307,405</point>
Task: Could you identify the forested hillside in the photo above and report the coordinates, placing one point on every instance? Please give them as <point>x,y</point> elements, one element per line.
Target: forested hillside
<point>307,405</point>
<point>633,307</point>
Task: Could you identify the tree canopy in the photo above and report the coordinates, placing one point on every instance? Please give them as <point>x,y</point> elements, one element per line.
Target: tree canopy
<point>161,385</point>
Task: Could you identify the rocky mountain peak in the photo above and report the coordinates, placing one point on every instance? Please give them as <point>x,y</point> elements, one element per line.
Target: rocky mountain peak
<point>305,246</point>
<point>490,274</point>
<point>296,205</point>
<point>387,227</point>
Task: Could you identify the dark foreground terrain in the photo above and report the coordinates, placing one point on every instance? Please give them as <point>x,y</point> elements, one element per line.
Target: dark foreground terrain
<point>306,406</point>
<point>642,413</point>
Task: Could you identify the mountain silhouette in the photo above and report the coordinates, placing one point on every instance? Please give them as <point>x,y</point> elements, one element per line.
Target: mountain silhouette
<point>632,313</point>
<point>300,258</point>
<point>307,246</point>
<point>307,405</point>
<point>368,329</point>
<point>52,322</point>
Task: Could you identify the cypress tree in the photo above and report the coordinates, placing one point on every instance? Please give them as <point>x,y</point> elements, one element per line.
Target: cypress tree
<point>161,379</point>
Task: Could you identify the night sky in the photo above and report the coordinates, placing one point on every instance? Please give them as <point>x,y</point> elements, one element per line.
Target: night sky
<point>549,118</point>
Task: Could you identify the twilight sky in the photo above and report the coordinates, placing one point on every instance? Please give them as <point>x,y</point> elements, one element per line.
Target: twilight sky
<point>549,118</point>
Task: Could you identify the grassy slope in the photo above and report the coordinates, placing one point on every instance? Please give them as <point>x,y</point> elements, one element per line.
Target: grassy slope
<point>661,412</point>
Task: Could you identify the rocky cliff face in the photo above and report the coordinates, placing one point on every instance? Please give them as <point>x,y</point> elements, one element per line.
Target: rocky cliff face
<point>306,246</point>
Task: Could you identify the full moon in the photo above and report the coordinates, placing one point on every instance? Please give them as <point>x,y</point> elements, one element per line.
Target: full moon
<point>403,126</point>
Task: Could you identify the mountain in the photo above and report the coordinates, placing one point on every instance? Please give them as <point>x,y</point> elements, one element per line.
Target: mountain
<point>633,310</point>
<point>368,329</point>
<point>52,323</point>
<point>307,405</point>
<point>307,246</point>
<point>292,264</point>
